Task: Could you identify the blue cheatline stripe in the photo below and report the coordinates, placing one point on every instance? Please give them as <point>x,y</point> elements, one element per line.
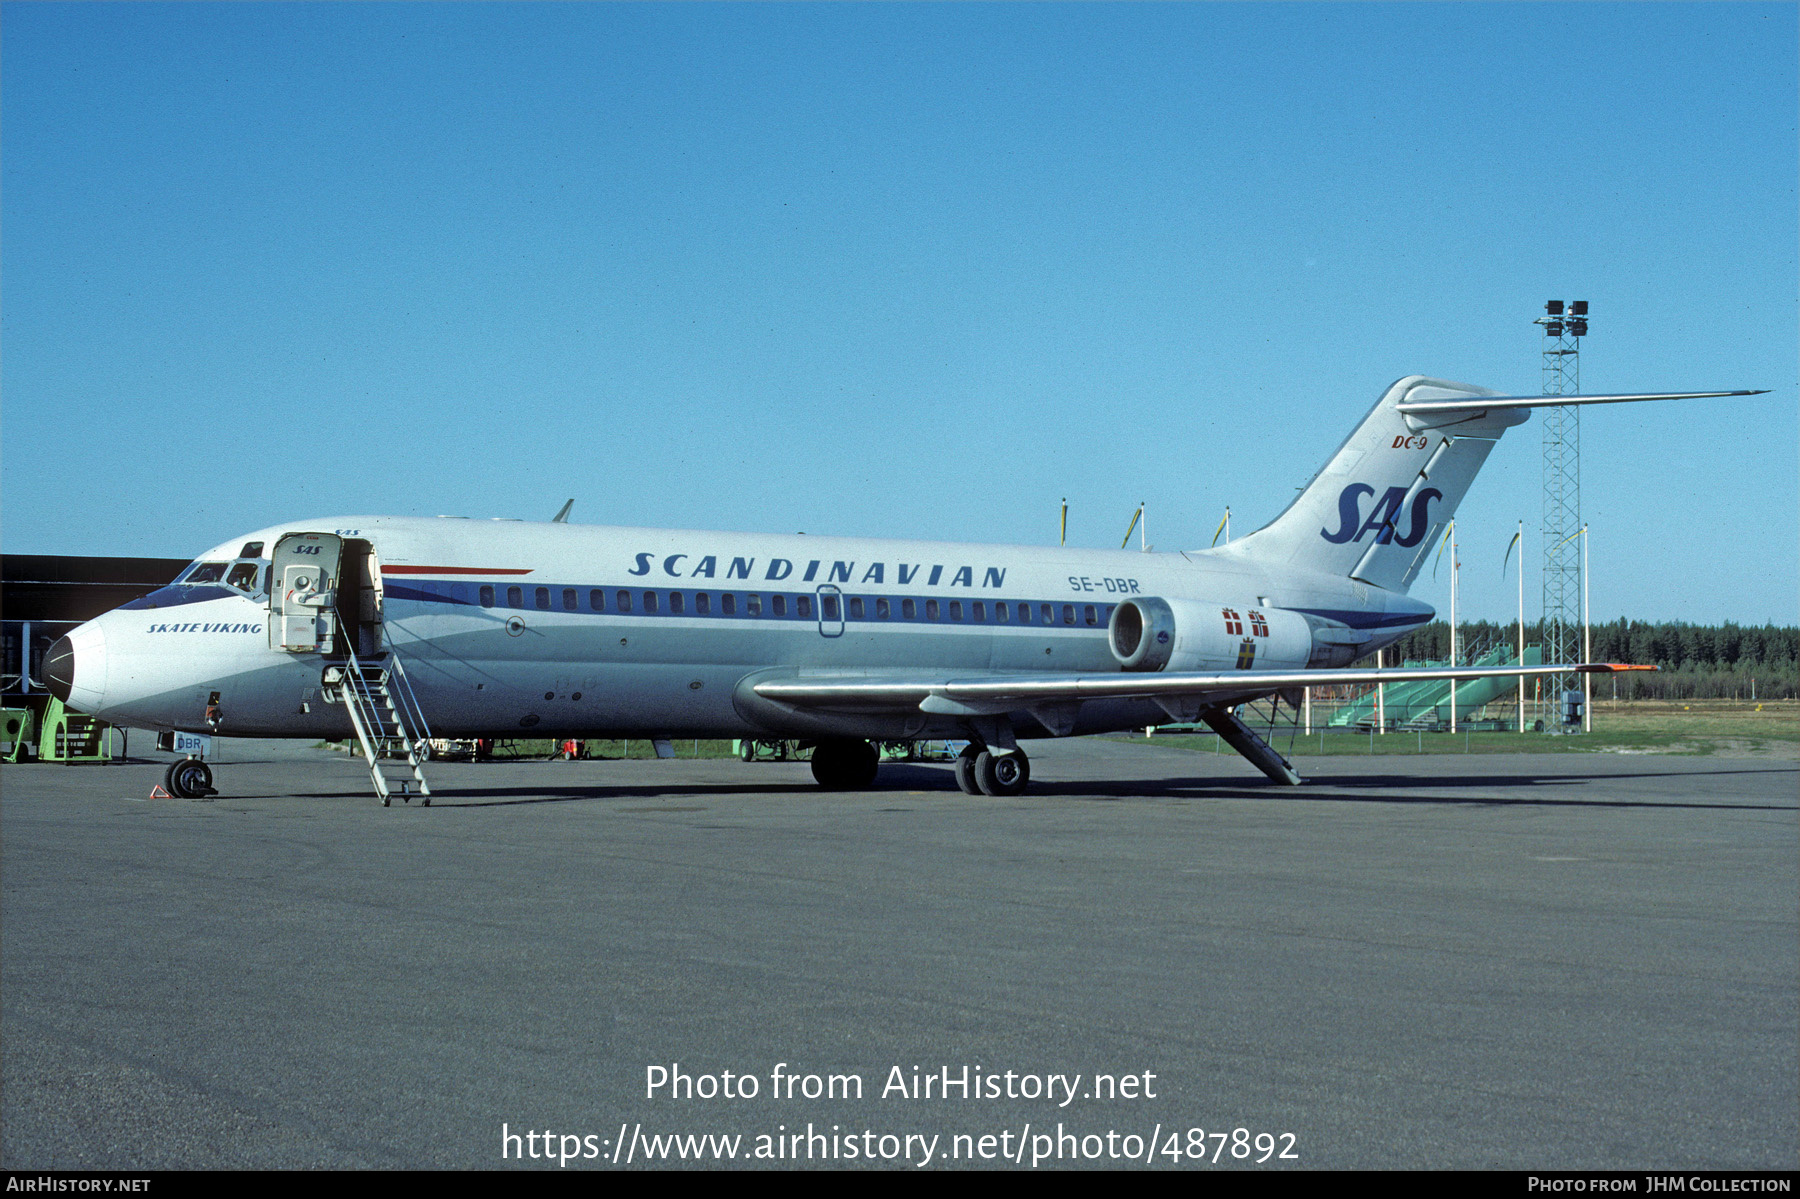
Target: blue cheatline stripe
<point>1368,620</point>
<point>469,595</point>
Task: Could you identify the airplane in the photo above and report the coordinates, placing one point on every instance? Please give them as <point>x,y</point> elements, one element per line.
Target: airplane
<point>395,629</point>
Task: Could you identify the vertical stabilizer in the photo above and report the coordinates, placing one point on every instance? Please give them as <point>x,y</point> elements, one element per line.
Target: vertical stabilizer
<point>1374,512</point>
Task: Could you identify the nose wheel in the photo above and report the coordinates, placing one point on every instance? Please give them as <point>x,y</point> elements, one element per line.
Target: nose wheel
<point>189,778</point>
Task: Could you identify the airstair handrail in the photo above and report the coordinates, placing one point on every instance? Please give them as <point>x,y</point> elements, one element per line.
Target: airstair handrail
<point>413,710</point>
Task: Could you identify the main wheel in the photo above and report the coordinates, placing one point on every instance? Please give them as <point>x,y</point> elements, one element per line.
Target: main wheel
<point>1002,774</point>
<point>747,750</point>
<point>189,778</point>
<point>965,770</point>
<point>844,765</point>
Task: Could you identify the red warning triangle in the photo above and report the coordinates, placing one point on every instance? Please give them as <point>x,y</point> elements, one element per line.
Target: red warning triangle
<point>157,792</point>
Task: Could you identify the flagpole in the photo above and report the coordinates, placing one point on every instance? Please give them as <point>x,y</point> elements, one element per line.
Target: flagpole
<point>1453,624</point>
<point>1380,694</point>
<point>1520,539</point>
<point>1587,651</point>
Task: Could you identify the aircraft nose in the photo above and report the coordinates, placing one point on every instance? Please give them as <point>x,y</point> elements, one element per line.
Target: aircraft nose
<point>59,668</point>
<point>74,669</point>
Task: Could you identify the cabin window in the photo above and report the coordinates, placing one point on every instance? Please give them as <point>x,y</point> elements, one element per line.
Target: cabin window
<point>909,609</point>
<point>649,601</point>
<point>931,609</point>
<point>623,600</point>
<point>487,595</point>
<point>1068,613</point>
<point>1024,613</point>
<point>978,611</point>
<point>728,604</point>
<point>882,611</point>
<point>570,600</point>
<point>856,607</point>
<point>753,605</point>
<point>702,602</point>
<point>803,607</point>
<point>542,596</point>
<point>675,601</point>
<point>1048,614</point>
<point>515,597</point>
<point>778,605</point>
<point>828,606</point>
<point>1001,613</point>
<point>1090,615</point>
<point>955,609</point>
<point>597,600</point>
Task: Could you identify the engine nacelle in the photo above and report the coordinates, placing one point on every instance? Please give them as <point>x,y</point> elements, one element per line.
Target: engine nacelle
<point>1149,633</point>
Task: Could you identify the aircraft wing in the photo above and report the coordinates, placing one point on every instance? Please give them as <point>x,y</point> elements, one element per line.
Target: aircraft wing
<point>988,694</point>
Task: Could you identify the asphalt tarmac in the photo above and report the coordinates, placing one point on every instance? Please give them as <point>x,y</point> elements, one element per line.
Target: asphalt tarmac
<point>1532,962</point>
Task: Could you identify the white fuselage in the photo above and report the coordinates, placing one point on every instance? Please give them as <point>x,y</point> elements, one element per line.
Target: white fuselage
<point>522,629</point>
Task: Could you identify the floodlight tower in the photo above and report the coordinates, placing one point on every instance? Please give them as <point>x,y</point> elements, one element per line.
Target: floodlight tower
<point>1564,327</point>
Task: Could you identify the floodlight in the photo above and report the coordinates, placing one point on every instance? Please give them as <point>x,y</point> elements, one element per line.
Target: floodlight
<point>1553,329</point>
<point>1577,328</point>
<point>1578,308</point>
<point>1554,307</point>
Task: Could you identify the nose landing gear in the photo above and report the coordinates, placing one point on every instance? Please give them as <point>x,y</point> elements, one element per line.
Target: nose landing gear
<point>189,778</point>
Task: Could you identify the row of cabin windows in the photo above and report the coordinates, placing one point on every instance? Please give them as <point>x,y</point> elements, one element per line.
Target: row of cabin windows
<point>654,601</point>
<point>802,606</point>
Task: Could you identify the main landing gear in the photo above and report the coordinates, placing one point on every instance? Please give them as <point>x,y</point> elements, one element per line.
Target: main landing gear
<point>981,771</point>
<point>189,778</point>
<point>844,764</point>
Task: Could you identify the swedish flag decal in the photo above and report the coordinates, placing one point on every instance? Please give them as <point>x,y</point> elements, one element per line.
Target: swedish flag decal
<point>1246,654</point>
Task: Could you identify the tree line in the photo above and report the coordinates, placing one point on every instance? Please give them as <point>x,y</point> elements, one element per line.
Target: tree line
<point>1726,661</point>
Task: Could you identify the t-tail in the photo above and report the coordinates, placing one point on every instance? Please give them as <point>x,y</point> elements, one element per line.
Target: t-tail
<point>1375,511</point>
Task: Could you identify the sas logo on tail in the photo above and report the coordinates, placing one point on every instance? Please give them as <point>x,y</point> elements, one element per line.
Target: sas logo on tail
<point>1384,518</point>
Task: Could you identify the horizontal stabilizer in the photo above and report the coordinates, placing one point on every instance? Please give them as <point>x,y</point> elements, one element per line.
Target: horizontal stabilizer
<point>1493,403</point>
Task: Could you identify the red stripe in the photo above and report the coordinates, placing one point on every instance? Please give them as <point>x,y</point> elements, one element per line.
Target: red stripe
<point>451,570</point>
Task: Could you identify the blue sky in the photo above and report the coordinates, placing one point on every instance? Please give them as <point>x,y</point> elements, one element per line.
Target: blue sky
<point>893,270</point>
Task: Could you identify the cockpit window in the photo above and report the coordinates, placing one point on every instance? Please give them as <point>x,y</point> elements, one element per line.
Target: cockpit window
<point>243,576</point>
<point>206,572</point>
<point>252,549</point>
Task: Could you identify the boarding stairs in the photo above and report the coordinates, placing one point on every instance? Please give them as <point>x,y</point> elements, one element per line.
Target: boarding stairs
<point>1234,727</point>
<point>387,718</point>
